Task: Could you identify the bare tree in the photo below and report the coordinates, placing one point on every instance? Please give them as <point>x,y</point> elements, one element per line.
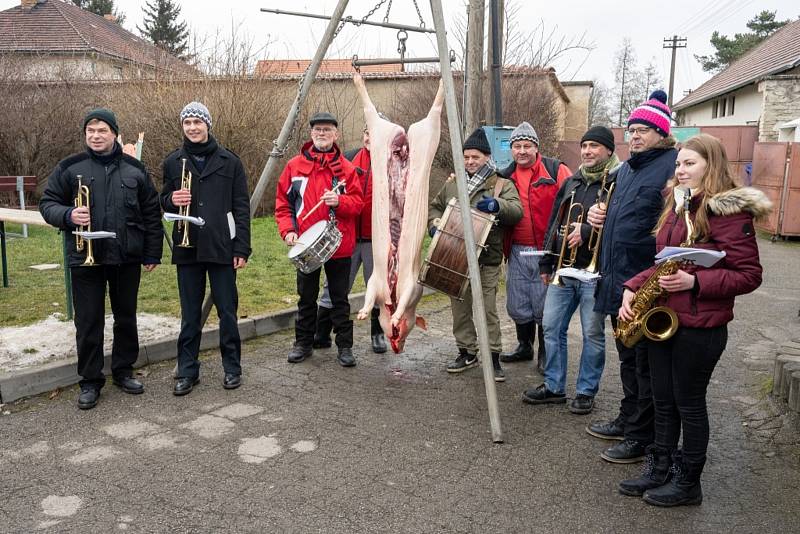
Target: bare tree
<point>599,105</point>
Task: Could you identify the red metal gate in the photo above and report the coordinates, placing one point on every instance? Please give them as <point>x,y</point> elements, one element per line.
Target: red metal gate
<point>776,172</point>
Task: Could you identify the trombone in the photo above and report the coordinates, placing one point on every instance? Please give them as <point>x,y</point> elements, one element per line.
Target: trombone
<point>595,237</point>
<point>82,199</point>
<point>183,226</point>
<point>564,231</point>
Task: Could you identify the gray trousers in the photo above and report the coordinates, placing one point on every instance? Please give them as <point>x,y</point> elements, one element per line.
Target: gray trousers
<point>525,291</point>
<point>361,255</point>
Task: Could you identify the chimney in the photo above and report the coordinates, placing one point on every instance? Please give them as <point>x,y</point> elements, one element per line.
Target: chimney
<point>110,17</point>
<point>28,4</point>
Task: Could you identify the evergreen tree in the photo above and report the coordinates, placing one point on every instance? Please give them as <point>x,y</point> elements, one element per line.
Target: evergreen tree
<point>101,7</point>
<point>730,49</point>
<point>162,28</point>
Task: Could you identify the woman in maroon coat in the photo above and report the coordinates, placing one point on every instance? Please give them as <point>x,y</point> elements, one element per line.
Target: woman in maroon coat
<point>722,218</point>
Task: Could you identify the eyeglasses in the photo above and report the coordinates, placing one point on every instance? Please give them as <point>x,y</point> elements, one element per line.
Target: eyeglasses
<point>322,130</point>
<point>641,131</point>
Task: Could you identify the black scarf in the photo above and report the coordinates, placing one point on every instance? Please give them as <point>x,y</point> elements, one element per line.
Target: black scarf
<point>640,159</point>
<point>106,159</point>
<point>202,150</point>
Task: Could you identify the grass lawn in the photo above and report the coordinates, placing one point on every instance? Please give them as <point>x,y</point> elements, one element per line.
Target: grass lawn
<point>266,284</point>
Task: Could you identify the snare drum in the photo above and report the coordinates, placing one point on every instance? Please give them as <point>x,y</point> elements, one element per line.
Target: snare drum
<point>445,267</point>
<point>315,246</point>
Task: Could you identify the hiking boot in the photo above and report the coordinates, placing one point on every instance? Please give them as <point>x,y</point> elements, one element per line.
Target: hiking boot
<point>499,375</point>
<point>627,451</point>
<point>542,395</point>
<point>299,353</point>
<point>464,361</point>
<point>607,429</point>
<point>322,336</point>
<point>581,404</point>
<point>656,472</point>
<point>524,350</point>
<point>684,488</point>
<point>88,397</point>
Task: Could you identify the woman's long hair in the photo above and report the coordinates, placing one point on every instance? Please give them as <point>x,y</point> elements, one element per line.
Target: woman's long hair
<point>717,178</point>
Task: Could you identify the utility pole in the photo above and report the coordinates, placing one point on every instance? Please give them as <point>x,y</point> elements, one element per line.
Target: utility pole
<point>674,43</point>
<point>495,52</point>
<point>622,85</point>
<point>473,104</point>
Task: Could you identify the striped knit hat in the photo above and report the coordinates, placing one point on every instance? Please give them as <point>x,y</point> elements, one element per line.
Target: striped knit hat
<point>654,113</point>
<point>196,109</point>
<point>524,132</point>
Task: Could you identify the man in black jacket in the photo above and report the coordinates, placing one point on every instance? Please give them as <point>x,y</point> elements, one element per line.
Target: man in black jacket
<point>121,200</point>
<point>218,248</point>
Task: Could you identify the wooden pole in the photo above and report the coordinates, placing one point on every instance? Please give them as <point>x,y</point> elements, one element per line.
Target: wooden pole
<point>473,103</point>
<point>478,311</point>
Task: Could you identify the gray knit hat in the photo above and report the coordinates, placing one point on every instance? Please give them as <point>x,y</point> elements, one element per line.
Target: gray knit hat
<point>524,132</point>
<point>196,109</point>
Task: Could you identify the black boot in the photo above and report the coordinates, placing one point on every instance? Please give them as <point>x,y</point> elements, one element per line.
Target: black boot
<point>524,351</point>
<point>499,375</point>
<point>540,354</point>
<point>656,472</point>
<point>322,337</point>
<point>684,488</point>
<point>376,332</point>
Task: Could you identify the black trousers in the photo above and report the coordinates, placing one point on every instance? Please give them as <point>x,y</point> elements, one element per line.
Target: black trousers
<point>192,290</point>
<point>636,407</point>
<point>337,273</point>
<point>89,298</point>
<point>681,370</point>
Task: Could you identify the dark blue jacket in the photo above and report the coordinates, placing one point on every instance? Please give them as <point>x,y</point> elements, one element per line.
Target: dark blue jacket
<point>629,245</point>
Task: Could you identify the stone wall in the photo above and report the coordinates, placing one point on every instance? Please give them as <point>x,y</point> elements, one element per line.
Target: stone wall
<point>781,104</point>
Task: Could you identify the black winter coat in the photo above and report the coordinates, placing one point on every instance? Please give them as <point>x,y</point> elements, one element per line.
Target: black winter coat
<point>220,190</point>
<point>629,245</point>
<point>122,200</point>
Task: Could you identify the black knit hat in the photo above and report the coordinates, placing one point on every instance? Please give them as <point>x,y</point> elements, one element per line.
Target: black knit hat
<point>478,141</point>
<point>323,117</point>
<point>102,114</point>
<point>600,134</point>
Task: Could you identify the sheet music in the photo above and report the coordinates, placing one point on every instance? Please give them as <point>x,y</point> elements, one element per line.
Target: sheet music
<point>698,256</point>
<point>578,274</point>
<point>99,234</point>
<point>168,216</point>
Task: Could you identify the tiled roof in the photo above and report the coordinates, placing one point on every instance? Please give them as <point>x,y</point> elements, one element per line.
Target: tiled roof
<point>328,66</point>
<point>778,53</point>
<point>58,27</point>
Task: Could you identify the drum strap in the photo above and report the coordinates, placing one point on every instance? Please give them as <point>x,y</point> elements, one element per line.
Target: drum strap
<point>335,165</point>
<point>498,187</point>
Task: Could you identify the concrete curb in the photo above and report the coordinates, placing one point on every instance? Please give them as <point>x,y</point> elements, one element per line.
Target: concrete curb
<point>786,375</point>
<point>42,378</point>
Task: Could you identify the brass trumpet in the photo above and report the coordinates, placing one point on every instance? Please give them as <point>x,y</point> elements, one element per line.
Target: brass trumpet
<point>82,199</point>
<point>596,236</point>
<point>183,226</point>
<point>564,231</point>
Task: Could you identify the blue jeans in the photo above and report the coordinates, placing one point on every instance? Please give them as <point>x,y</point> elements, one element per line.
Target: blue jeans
<point>559,305</point>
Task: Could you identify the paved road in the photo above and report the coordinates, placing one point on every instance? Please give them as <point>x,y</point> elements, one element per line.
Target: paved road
<point>393,445</point>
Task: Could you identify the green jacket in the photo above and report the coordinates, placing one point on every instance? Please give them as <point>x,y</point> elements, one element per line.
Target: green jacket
<point>510,213</point>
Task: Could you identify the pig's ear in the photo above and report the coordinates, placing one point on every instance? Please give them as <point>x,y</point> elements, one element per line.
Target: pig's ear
<point>421,323</point>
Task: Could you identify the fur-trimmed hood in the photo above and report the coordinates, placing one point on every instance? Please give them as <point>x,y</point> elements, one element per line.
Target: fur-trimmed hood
<point>740,199</point>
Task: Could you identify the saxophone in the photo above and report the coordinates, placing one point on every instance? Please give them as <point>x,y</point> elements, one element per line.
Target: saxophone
<point>657,323</point>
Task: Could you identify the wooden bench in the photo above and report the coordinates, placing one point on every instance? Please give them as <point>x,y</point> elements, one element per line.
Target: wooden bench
<point>19,185</point>
<point>35,218</point>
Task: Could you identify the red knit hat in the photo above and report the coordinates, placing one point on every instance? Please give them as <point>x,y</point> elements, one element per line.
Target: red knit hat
<point>654,113</point>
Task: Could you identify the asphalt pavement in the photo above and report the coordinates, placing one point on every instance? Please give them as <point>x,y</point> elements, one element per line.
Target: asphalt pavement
<point>394,444</point>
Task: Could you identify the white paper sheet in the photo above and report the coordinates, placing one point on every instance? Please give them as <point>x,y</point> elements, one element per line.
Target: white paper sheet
<point>100,234</point>
<point>579,274</point>
<point>698,256</point>
<point>168,216</point>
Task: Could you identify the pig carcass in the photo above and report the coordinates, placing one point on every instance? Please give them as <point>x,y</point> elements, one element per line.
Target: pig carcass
<point>401,166</point>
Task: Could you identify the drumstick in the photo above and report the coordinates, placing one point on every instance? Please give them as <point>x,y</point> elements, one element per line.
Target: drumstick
<point>318,204</point>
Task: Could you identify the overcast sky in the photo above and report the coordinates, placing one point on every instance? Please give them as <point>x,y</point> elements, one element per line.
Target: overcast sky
<point>604,22</point>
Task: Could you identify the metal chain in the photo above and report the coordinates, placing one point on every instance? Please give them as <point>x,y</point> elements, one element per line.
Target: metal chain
<point>419,14</point>
<point>388,10</point>
<point>373,10</point>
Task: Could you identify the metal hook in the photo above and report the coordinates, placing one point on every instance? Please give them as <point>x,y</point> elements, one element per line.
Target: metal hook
<point>354,63</point>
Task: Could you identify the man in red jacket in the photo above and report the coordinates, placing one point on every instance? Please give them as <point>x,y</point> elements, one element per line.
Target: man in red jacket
<point>308,178</point>
<point>362,255</point>
<point>538,180</point>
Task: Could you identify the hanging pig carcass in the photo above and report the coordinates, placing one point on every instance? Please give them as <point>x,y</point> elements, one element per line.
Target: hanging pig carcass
<point>401,165</point>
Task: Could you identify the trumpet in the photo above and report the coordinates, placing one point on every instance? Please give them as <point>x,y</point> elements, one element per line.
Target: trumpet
<point>183,226</point>
<point>563,231</point>
<point>82,199</point>
<point>596,236</point>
